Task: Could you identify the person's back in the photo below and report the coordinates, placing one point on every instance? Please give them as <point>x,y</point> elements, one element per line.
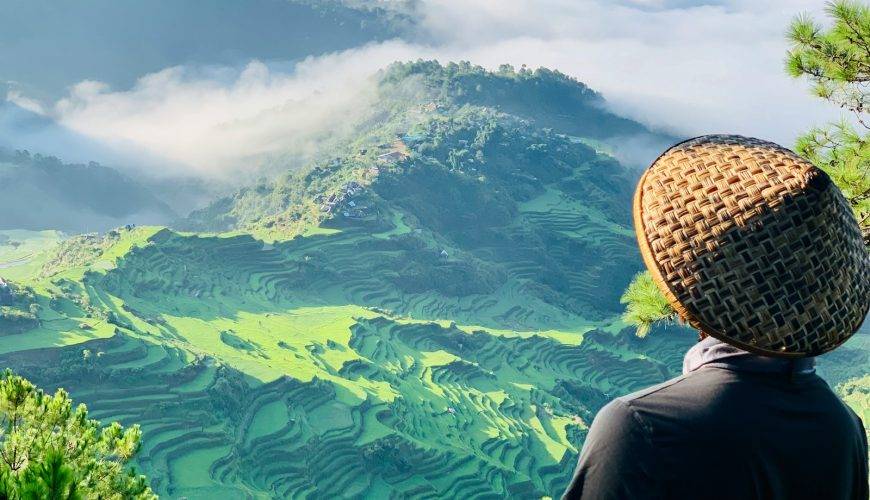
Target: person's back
<point>756,249</point>
<point>738,426</point>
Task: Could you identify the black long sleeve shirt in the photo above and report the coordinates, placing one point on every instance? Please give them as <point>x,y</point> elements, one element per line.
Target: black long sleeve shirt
<point>735,426</point>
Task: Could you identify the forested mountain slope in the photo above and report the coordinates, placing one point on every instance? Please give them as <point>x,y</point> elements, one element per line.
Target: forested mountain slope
<point>466,120</point>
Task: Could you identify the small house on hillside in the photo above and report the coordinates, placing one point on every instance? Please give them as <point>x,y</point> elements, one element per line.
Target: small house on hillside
<point>391,157</point>
<point>412,139</point>
<point>444,254</point>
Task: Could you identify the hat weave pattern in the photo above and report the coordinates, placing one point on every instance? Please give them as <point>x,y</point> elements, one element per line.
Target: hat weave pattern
<point>753,245</point>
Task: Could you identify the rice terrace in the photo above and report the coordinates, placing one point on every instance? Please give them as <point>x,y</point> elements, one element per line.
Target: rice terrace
<point>421,302</point>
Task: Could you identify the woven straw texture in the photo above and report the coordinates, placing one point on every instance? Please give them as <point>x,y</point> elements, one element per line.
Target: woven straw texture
<point>753,245</point>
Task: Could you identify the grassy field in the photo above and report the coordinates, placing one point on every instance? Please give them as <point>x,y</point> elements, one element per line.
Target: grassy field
<point>21,250</point>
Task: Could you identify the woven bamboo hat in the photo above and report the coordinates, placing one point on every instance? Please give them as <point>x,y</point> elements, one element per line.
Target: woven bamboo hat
<point>753,245</point>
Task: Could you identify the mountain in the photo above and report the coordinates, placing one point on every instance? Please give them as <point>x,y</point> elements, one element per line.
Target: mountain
<point>41,192</point>
<point>430,310</point>
<point>448,114</point>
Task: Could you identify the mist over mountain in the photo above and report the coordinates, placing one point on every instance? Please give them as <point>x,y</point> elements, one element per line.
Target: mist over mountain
<point>239,84</point>
<point>446,113</point>
<point>25,129</point>
<point>41,192</point>
<point>149,197</point>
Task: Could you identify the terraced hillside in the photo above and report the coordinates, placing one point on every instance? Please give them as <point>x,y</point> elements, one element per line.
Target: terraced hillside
<point>245,380</point>
<point>429,311</point>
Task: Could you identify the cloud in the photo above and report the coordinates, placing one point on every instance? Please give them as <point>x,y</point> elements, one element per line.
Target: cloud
<point>17,98</point>
<point>223,121</point>
<point>688,67</point>
<point>214,120</point>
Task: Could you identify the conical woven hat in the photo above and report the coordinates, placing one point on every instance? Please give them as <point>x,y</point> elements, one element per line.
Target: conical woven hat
<point>753,245</point>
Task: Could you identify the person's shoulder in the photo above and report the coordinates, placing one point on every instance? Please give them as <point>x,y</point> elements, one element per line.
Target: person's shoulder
<point>667,387</point>
<point>687,396</point>
<point>624,412</point>
<point>617,425</point>
<point>616,409</point>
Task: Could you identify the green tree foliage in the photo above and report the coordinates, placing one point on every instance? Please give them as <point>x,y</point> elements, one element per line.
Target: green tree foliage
<point>645,304</point>
<point>50,450</point>
<point>19,310</point>
<point>837,61</point>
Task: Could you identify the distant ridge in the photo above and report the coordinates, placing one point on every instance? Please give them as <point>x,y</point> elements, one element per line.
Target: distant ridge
<point>42,192</point>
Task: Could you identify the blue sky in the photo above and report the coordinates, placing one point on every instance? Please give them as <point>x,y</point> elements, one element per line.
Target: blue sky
<point>201,87</point>
<point>47,45</point>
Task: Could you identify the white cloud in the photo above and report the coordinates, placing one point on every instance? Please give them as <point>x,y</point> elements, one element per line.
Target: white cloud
<point>215,120</point>
<point>688,67</point>
<point>17,98</point>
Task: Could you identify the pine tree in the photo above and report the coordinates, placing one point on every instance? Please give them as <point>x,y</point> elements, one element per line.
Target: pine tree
<point>50,450</point>
<point>645,304</point>
<point>837,62</point>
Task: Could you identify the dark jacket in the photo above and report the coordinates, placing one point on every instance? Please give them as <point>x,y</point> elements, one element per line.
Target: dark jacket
<point>734,426</point>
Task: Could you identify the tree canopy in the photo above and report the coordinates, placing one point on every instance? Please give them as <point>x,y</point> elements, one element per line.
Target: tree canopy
<point>51,450</point>
<point>836,60</point>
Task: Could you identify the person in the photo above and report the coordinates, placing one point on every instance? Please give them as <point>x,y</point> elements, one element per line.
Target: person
<point>758,250</point>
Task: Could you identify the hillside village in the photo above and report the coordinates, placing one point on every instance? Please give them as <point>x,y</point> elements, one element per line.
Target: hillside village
<point>346,201</point>
<point>343,201</point>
